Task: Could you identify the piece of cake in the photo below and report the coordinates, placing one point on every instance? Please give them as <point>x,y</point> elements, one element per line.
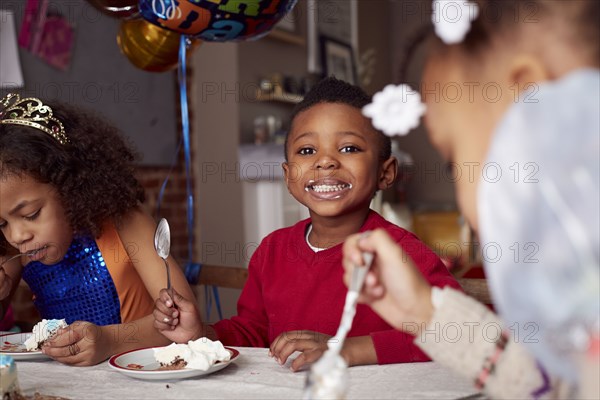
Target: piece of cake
<point>198,354</point>
<point>43,331</point>
<point>9,382</point>
<point>173,356</point>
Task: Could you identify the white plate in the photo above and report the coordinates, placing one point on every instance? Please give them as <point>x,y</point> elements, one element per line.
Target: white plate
<point>142,365</point>
<point>13,345</point>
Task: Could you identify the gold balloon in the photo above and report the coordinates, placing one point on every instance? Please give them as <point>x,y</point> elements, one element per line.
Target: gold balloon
<point>150,47</point>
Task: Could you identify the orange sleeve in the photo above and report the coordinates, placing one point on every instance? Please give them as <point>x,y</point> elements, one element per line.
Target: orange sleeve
<point>135,300</point>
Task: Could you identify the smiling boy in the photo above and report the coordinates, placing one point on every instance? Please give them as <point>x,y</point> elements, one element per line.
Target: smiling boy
<point>293,299</point>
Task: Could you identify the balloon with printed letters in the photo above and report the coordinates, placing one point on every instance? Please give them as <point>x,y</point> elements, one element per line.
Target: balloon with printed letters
<point>149,47</point>
<point>217,20</point>
<point>117,8</point>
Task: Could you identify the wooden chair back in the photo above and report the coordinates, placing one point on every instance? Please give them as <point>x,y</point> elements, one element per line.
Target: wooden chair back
<point>227,277</point>
<point>235,278</point>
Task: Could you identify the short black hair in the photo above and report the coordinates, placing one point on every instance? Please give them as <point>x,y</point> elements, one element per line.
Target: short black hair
<point>333,90</point>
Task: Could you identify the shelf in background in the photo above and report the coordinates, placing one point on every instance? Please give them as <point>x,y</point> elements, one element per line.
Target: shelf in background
<point>279,96</point>
<point>287,37</point>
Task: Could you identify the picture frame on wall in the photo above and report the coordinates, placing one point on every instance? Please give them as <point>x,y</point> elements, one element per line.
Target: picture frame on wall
<point>337,59</point>
<point>336,19</point>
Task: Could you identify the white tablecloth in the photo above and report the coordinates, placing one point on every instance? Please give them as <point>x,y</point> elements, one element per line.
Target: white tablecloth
<point>252,376</point>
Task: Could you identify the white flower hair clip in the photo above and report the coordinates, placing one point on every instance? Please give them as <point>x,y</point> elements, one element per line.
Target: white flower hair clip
<point>395,110</point>
<point>452,19</point>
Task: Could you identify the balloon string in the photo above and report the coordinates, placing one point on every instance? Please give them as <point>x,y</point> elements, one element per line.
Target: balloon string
<point>185,123</point>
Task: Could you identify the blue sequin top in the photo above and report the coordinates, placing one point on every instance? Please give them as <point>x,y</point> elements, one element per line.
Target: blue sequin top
<point>77,288</point>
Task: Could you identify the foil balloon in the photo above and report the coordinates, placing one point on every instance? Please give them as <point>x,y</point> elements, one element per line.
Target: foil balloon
<point>117,8</point>
<point>149,47</point>
<point>217,20</point>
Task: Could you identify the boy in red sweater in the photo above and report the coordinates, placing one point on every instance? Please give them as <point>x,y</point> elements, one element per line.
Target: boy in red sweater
<point>293,299</point>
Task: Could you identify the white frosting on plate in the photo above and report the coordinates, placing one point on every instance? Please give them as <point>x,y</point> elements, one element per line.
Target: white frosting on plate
<point>43,331</point>
<point>199,354</point>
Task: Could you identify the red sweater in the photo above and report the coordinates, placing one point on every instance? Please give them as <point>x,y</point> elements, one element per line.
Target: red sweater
<point>290,287</point>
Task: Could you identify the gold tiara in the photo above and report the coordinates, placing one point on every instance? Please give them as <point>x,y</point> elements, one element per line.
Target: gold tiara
<point>31,112</point>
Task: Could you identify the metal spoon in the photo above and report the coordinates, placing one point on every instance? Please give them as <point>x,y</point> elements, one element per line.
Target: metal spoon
<point>327,377</point>
<point>162,244</point>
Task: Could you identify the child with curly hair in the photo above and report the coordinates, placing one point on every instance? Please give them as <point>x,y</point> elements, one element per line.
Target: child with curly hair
<point>293,299</point>
<point>70,205</point>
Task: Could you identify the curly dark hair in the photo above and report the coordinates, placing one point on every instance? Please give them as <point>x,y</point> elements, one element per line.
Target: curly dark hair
<point>333,90</point>
<point>499,17</point>
<point>93,173</point>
